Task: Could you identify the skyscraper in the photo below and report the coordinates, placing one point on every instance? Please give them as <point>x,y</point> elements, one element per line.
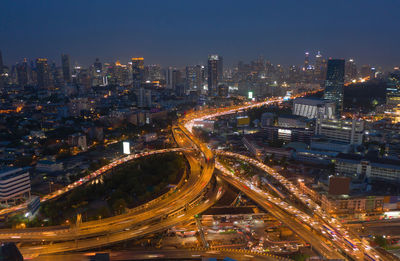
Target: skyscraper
<point>66,68</point>
<point>137,72</point>
<point>318,67</point>
<point>214,73</point>
<point>350,70</point>
<point>306,60</point>
<point>334,83</point>
<point>22,73</point>
<point>42,71</point>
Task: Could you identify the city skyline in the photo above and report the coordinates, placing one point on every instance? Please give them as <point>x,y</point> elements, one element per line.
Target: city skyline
<point>183,33</point>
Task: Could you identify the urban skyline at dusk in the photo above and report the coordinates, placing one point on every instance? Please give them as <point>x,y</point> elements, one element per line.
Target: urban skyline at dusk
<point>180,33</point>
<point>199,130</point>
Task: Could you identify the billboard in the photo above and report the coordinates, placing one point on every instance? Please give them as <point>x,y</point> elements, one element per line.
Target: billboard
<point>126,147</point>
<point>250,95</point>
<point>243,121</point>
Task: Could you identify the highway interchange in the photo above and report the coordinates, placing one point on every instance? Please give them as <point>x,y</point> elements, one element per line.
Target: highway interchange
<point>192,196</point>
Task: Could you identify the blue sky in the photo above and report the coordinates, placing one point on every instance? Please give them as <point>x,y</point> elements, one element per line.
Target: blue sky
<point>173,32</point>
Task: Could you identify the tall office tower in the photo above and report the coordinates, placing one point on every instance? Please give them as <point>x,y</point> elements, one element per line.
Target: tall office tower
<point>97,73</point>
<point>393,89</point>
<point>194,78</point>
<point>319,67</point>
<point>137,72</point>
<point>43,75</point>
<point>22,73</point>
<point>98,66</point>
<point>143,98</point>
<point>153,73</point>
<point>334,83</point>
<point>66,68</point>
<point>168,78</point>
<point>306,60</point>
<point>215,68</point>
<point>178,83</point>
<point>350,70</point>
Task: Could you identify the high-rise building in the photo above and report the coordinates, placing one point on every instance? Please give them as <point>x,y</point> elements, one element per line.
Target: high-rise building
<point>215,68</point>
<point>22,73</point>
<point>334,83</point>
<point>194,81</point>
<point>319,67</point>
<point>137,72</point>
<point>393,89</point>
<point>350,70</point>
<point>66,68</point>
<point>223,90</point>
<point>306,60</point>
<point>169,78</point>
<point>43,75</point>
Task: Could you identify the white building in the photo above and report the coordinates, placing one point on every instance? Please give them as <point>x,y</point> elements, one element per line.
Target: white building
<point>14,184</point>
<point>314,108</point>
<point>344,130</point>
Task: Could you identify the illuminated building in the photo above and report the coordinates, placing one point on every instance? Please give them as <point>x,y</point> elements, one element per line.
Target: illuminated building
<point>66,68</point>
<point>349,131</point>
<point>393,89</point>
<point>319,67</point>
<point>350,70</point>
<point>313,108</point>
<point>43,75</point>
<point>14,183</point>
<point>334,83</point>
<point>306,60</point>
<point>137,72</point>
<point>357,167</point>
<point>215,68</point>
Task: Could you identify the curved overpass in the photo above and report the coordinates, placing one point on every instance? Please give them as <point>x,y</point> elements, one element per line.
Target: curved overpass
<point>194,196</point>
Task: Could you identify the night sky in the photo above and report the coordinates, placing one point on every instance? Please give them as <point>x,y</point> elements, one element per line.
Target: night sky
<point>177,33</point>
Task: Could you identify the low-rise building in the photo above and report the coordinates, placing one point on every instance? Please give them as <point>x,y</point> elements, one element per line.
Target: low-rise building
<point>14,183</point>
<point>374,169</point>
<point>49,166</point>
<point>344,130</point>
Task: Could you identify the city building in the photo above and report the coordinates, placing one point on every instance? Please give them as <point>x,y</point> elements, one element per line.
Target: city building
<point>66,68</point>
<point>267,119</point>
<point>137,72</point>
<point>313,108</point>
<point>14,184</point>
<point>215,69</point>
<point>357,167</point>
<point>334,83</point>
<point>339,185</point>
<point>393,89</point>
<point>292,121</point>
<point>49,166</point>
<point>345,130</point>
<point>43,74</point>
<point>22,73</point>
<point>223,90</point>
